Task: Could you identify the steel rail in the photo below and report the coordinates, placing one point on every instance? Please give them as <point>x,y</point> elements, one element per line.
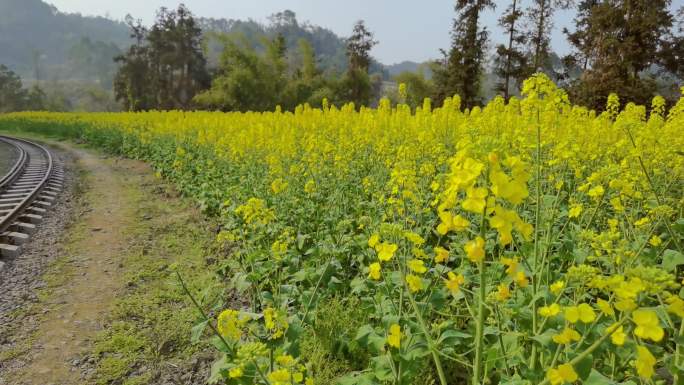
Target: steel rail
<point>25,193</point>
<point>18,166</point>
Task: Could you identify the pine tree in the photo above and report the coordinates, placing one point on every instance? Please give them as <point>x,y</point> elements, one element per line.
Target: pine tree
<point>540,23</point>
<point>165,68</point>
<point>359,45</point>
<point>461,69</point>
<point>511,62</point>
<point>581,37</point>
<point>356,86</point>
<point>672,52</point>
<point>309,70</point>
<point>618,41</point>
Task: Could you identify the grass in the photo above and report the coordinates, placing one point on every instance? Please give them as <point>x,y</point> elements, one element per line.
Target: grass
<point>150,325</point>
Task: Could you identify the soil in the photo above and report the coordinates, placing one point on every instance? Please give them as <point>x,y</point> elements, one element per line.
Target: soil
<point>85,284</point>
<point>59,295</point>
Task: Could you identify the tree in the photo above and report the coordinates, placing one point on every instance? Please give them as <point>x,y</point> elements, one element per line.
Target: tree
<point>359,45</point>
<point>418,87</point>
<point>177,57</point>
<point>309,69</point>
<point>511,62</point>
<point>356,85</point>
<point>461,68</point>
<point>12,94</point>
<point>619,42</point>
<point>14,97</point>
<point>672,50</point>
<point>36,99</point>
<point>540,23</point>
<point>132,83</point>
<point>166,66</point>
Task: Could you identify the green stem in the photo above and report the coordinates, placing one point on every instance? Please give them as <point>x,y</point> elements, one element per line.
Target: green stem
<point>313,295</point>
<point>479,326</point>
<point>655,192</point>
<point>678,353</point>
<point>537,210</point>
<point>204,315</point>
<point>428,337</point>
<point>591,348</point>
<point>501,342</point>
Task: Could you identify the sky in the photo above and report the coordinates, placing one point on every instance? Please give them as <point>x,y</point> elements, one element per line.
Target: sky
<point>406,29</point>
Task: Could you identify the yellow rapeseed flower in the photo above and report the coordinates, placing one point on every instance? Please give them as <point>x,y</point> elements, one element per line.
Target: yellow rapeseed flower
<point>374,271</point>
<point>450,222</point>
<point>567,336</point>
<point>386,251</point>
<point>575,210</point>
<point>675,306</point>
<point>503,292</point>
<point>454,282</point>
<point>229,324</point>
<point>655,241</point>
<point>373,240</point>
<point>645,363</point>
<point>511,265</point>
<point>394,336</point>
<point>557,287</point>
<point>414,238</point>
<point>565,373</point>
<point>475,250</point>
<point>310,187</point>
<point>441,254</point>
<point>618,335</point>
<point>235,372</point>
<point>605,307</point>
<point>583,312</point>
<point>416,266</point>
<point>280,376</point>
<point>476,200</point>
<point>414,282</point>
<point>549,311</point>
<point>278,185</point>
<point>596,192</point>
<point>648,325</point>
<point>521,279</point>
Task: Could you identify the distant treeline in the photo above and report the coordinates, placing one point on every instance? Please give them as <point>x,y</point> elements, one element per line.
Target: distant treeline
<point>632,47</point>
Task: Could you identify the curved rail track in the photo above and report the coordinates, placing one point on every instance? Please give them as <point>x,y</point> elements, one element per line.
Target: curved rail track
<point>27,191</point>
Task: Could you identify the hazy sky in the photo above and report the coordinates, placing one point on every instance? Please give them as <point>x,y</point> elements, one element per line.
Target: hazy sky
<point>406,29</point>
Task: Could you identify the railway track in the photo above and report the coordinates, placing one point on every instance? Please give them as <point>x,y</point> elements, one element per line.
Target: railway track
<point>27,191</point>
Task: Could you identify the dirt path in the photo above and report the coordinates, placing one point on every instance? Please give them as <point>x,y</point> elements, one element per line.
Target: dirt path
<point>79,306</point>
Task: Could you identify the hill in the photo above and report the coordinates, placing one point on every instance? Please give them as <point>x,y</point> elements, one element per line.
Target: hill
<point>37,40</point>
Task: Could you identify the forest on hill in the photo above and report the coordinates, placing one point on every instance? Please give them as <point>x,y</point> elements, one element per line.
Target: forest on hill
<point>59,61</point>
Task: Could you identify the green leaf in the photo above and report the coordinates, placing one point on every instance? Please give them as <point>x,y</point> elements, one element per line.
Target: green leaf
<point>679,226</point>
<point>218,370</point>
<point>197,331</point>
<point>584,367</point>
<point>451,337</point>
<point>219,345</point>
<point>671,259</point>
<point>382,368</point>
<point>545,338</point>
<point>596,378</point>
<point>369,339</point>
<point>357,379</point>
<point>515,380</point>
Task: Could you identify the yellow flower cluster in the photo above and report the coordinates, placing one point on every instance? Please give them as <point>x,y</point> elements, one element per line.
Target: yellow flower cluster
<point>522,221</point>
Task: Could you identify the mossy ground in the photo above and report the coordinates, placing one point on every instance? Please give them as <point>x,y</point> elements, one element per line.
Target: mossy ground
<point>147,333</point>
<point>149,327</point>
